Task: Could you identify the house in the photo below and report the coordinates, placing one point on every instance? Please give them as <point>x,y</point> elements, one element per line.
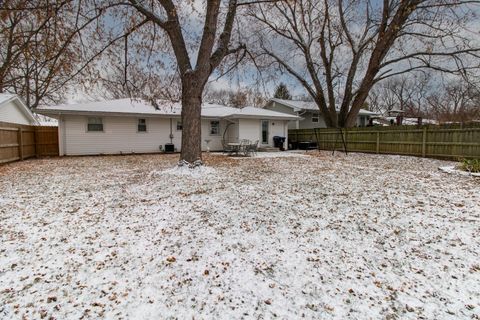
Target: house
<point>309,114</point>
<point>136,126</point>
<point>13,110</point>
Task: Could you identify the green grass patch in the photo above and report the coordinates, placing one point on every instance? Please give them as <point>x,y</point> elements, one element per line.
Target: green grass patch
<point>470,165</point>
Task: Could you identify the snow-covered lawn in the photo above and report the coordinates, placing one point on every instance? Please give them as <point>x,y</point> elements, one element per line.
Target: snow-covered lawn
<point>315,236</point>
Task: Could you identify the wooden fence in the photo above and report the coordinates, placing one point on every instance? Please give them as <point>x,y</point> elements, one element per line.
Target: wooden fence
<point>447,141</point>
<point>19,142</point>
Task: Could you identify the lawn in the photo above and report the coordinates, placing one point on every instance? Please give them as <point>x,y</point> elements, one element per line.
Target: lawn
<point>315,236</point>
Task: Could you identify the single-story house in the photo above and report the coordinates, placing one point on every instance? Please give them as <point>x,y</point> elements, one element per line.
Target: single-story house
<point>309,114</point>
<point>136,126</point>
<point>13,110</point>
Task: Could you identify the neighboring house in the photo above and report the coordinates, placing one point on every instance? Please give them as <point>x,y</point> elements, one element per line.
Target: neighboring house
<point>309,114</point>
<point>135,126</point>
<point>13,110</point>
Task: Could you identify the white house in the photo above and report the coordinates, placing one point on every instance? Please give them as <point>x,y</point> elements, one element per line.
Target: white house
<point>13,110</point>
<point>135,126</point>
<point>309,114</point>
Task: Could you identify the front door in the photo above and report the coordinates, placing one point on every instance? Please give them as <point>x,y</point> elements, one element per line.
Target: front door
<point>265,131</point>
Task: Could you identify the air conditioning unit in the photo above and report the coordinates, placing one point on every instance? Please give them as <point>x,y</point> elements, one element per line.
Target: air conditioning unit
<point>169,147</point>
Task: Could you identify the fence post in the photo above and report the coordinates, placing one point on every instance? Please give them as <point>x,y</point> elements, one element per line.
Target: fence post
<point>20,143</point>
<point>35,142</point>
<point>378,142</point>
<point>424,142</point>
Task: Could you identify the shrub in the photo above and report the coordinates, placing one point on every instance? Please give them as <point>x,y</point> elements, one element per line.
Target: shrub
<point>470,165</point>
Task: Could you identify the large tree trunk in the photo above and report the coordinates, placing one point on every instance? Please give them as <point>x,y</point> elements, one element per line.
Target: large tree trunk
<point>191,122</point>
<point>331,118</point>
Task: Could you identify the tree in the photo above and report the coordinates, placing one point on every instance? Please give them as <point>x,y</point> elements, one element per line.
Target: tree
<point>41,50</point>
<point>281,92</point>
<point>407,93</point>
<point>339,49</point>
<point>212,48</point>
<point>238,99</point>
<point>456,101</point>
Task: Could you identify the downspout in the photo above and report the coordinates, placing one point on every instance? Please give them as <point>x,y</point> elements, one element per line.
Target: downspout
<point>171,131</point>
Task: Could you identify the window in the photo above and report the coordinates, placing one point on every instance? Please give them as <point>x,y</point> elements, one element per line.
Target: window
<point>179,126</point>
<point>142,125</point>
<point>315,118</point>
<point>95,124</point>
<point>214,127</point>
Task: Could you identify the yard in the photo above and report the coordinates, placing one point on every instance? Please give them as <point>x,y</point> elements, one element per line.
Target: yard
<point>315,236</point>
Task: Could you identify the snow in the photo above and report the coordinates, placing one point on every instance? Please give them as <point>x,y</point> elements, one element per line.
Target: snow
<point>455,170</point>
<point>316,236</point>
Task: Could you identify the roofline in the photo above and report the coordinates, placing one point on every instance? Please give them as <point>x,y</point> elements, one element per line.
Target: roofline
<point>26,111</point>
<point>365,112</point>
<point>252,116</point>
<point>58,112</point>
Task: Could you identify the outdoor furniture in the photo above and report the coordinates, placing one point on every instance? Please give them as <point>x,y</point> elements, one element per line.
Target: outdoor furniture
<point>252,148</point>
<point>244,147</point>
<point>234,147</point>
<point>226,147</point>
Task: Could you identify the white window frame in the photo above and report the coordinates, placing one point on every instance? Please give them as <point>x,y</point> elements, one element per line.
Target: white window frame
<point>138,124</point>
<point>211,127</point>
<point>315,116</point>
<point>88,123</point>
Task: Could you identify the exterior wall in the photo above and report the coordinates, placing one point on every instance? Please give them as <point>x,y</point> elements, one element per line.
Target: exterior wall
<point>275,106</point>
<point>120,136</point>
<point>10,112</point>
<point>250,129</point>
<point>278,128</point>
<point>215,141</point>
<point>232,134</point>
<point>307,123</point>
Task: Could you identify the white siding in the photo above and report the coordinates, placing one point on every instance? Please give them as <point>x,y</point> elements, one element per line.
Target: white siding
<point>10,112</point>
<point>232,132</point>
<point>215,143</point>
<point>279,128</point>
<point>120,136</point>
<point>249,129</point>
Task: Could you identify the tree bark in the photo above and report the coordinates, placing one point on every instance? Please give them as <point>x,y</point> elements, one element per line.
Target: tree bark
<point>191,120</point>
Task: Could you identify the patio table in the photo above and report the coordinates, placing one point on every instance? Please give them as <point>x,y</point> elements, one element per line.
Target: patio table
<point>236,147</point>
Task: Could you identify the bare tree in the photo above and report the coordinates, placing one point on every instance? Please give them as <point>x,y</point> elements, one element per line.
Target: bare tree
<point>339,49</point>
<point>240,98</point>
<point>456,101</point>
<point>407,93</point>
<point>41,48</point>
<point>213,46</point>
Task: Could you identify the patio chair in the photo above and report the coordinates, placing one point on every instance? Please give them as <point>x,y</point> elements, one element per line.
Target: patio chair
<point>254,147</point>
<point>226,148</point>
<point>244,143</point>
<point>251,148</point>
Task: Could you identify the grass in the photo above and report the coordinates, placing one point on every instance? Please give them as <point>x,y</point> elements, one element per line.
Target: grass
<point>470,165</point>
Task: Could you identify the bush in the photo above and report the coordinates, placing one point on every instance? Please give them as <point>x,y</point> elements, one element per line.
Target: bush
<point>471,165</point>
